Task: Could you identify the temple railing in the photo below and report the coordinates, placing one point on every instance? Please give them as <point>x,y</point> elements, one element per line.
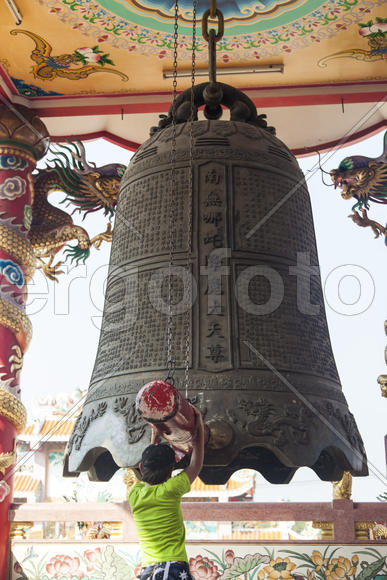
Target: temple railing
<point>343,551</point>
<point>344,519</point>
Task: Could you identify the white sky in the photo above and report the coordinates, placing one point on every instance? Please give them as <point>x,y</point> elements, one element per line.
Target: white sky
<point>66,319</point>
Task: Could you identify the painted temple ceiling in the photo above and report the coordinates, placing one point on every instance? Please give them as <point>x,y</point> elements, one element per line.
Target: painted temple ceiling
<point>91,67</point>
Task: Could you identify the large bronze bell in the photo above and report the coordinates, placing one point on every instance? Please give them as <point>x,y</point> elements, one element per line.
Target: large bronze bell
<point>261,365</point>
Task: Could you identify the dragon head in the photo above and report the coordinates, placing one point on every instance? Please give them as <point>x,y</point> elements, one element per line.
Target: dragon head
<point>103,184</point>
<point>348,181</point>
<point>88,187</point>
<point>354,176</point>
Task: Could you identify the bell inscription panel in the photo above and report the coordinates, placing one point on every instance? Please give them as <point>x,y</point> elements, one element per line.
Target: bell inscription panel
<point>214,293</point>
<point>266,208</point>
<point>268,319</point>
<point>137,325</point>
<point>150,196</point>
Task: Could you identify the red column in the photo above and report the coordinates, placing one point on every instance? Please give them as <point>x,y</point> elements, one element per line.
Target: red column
<point>23,140</point>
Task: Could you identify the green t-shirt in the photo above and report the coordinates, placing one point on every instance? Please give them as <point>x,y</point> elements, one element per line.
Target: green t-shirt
<point>159,522</point>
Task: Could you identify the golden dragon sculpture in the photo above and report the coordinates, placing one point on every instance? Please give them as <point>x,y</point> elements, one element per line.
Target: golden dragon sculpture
<point>86,186</point>
<point>343,489</point>
<point>364,179</point>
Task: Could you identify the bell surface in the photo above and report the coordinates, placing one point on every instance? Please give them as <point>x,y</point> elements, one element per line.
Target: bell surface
<point>245,287</point>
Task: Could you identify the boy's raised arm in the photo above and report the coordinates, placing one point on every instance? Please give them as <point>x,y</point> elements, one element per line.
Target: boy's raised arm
<point>197,454</point>
<point>155,438</point>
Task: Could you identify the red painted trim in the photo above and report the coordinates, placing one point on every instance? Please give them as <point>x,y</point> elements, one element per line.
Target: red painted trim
<point>4,75</point>
<point>102,110</point>
<point>115,139</point>
<point>9,86</point>
<point>351,140</point>
<point>162,107</point>
<point>315,85</point>
<point>7,441</point>
<point>7,80</point>
<point>300,152</point>
<point>311,100</point>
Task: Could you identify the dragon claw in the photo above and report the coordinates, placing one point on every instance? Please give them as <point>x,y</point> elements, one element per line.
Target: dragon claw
<point>105,236</point>
<point>50,271</point>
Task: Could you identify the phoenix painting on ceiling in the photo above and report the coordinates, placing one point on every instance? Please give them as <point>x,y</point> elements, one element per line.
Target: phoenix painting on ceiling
<point>76,65</point>
<point>376,35</point>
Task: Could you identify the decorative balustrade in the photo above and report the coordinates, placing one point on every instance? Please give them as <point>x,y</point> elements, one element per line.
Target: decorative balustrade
<point>344,519</point>
<point>344,550</point>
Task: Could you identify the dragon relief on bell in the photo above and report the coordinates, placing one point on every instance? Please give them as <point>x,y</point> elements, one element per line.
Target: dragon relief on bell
<point>135,425</point>
<point>282,423</point>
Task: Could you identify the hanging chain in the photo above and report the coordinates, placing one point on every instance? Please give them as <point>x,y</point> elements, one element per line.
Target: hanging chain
<point>193,69</point>
<point>208,14</point>
<point>175,42</point>
<point>171,363</point>
<point>212,37</point>
<point>188,316</point>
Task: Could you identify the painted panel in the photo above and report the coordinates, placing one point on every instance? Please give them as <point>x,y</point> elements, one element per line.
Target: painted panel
<point>146,26</point>
<point>92,561</point>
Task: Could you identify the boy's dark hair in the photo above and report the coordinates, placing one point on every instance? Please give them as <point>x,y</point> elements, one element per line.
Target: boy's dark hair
<point>157,463</point>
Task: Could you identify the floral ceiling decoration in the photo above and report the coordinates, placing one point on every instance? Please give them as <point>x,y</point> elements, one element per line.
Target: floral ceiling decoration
<point>376,35</point>
<point>268,29</point>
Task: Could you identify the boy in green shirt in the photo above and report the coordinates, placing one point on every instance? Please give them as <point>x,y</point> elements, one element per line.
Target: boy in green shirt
<point>156,507</point>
